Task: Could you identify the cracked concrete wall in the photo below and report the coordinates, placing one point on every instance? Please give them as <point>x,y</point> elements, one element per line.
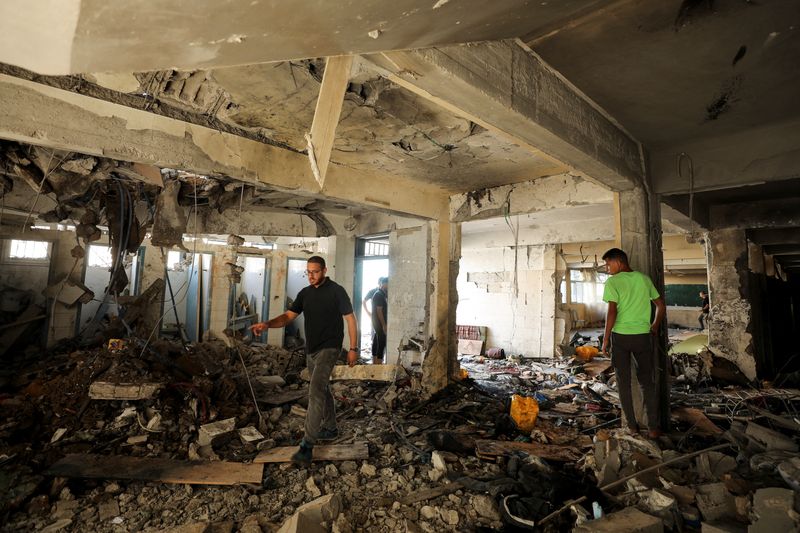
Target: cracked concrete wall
<point>730,333</point>
<point>513,295</point>
<point>564,190</point>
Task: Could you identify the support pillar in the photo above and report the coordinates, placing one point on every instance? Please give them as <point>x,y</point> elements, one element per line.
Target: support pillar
<point>730,324</point>
<point>154,268</point>
<point>441,364</point>
<point>638,233</point>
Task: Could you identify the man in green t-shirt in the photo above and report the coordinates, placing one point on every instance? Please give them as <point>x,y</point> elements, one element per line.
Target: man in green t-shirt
<point>628,294</point>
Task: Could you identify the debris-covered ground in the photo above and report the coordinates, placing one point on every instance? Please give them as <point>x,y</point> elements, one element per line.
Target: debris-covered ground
<point>457,461</point>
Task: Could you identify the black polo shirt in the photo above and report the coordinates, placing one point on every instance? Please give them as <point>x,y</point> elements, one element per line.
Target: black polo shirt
<point>323,308</point>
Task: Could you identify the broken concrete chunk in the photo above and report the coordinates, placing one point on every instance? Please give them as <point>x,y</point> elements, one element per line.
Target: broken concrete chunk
<point>137,439</point>
<point>309,518</point>
<point>250,434</point>
<point>169,223</point>
<point>108,509</point>
<point>438,461</point>
<point>486,507</point>
<point>297,410</point>
<point>771,510</point>
<point>790,472</point>
<point>715,502</point>
<point>208,432</point>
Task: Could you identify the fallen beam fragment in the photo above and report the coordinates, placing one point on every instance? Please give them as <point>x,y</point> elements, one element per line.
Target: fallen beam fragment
<point>103,390</point>
<point>489,449</point>
<point>365,372</point>
<point>334,452</point>
<point>699,421</point>
<point>150,469</point>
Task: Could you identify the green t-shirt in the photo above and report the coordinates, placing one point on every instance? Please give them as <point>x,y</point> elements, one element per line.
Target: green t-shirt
<point>633,292</point>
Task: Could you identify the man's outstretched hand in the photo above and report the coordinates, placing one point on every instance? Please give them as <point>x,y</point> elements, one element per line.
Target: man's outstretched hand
<point>259,328</point>
<point>352,357</point>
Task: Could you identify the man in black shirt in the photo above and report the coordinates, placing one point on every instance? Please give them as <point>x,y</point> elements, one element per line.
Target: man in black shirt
<point>704,313</point>
<point>379,317</point>
<point>323,302</point>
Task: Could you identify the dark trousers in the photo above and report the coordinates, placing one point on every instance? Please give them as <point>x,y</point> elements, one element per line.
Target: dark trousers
<point>636,351</point>
<point>321,412</point>
<point>378,344</point>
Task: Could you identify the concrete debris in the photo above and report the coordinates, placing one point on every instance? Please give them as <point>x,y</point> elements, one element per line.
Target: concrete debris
<point>170,220</point>
<point>773,510</point>
<point>402,461</point>
<point>210,432</point>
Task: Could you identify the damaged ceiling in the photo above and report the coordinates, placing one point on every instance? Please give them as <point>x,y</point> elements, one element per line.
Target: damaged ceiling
<point>682,76</point>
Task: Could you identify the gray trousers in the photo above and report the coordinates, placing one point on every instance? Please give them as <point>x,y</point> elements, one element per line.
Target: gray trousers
<point>321,411</point>
<point>636,351</point>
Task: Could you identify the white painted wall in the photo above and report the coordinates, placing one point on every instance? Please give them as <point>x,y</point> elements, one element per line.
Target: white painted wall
<point>520,317</point>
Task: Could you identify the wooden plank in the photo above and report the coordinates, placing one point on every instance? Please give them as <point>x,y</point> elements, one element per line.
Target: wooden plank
<point>103,390</point>
<point>333,452</point>
<point>492,448</point>
<point>152,469</point>
<point>329,108</point>
<point>421,495</point>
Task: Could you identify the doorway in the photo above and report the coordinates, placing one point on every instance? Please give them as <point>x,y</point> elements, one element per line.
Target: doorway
<point>187,296</point>
<point>296,280</point>
<point>249,299</point>
<point>372,262</point>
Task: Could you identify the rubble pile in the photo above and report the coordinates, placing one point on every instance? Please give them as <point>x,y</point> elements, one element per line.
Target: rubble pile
<point>169,438</point>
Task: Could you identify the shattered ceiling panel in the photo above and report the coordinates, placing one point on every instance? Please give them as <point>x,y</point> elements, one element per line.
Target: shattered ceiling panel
<point>382,127</point>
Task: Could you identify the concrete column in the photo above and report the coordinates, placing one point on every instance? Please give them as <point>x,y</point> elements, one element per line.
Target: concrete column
<point>441,364</point>
<point>638,233</point>
<point>154,268</point>
<point>220,290</point>
<point>730,325</point>
<point>62,319</point>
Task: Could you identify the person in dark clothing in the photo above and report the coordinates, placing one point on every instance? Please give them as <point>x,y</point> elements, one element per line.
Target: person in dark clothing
<point>629,295</point>
<point>703,318</point>
<point>324,304</point>
<point>379,318</point>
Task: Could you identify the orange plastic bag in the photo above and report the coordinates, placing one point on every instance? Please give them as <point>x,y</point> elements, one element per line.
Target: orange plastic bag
<point>586,353</point>
<point>462,373</point>
<point>524,411</point>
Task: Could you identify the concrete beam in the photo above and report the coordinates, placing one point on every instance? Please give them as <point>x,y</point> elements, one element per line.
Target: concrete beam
<point>78,36</point>
<point>46,116</point>
<point>774,236</point>
<point>782,249</point>
<point>747,157</point>
<point>544,194</point>
<point>508,89</point>
<point>781,213</point>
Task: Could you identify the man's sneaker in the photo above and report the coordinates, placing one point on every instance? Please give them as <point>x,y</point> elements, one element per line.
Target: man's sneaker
<point>328,434</point>
<point>302,457</point>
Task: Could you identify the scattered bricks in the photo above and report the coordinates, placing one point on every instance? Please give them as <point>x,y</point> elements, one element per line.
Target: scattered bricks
<point>209,432</point>
<point>629,520</point>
